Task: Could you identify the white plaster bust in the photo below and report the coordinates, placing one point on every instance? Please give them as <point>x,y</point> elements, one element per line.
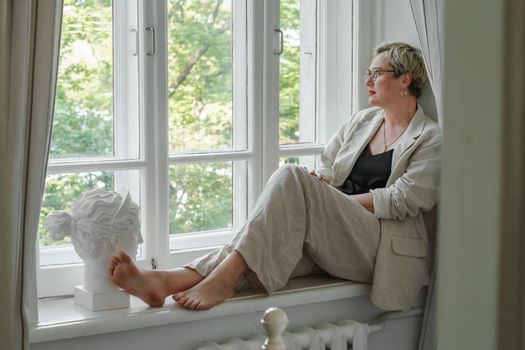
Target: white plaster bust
<point>100,224</point>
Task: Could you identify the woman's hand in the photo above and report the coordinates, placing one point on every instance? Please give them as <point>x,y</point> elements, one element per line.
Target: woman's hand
<point>366,200</point>
<point>320,177</point>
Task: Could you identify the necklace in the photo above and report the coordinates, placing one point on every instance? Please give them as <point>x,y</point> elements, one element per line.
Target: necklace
<point>384,136</point>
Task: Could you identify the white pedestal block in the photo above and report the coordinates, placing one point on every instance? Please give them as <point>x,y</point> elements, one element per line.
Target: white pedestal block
<point>101,300</point>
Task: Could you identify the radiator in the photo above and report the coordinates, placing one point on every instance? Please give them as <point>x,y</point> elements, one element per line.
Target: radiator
<point>344,335</point>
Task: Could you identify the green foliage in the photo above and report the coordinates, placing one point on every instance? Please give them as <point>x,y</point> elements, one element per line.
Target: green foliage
<point>200,94</point>
<point>199,75</point>
<point>289,73</point>
<point>83,120</point>
<point>200,197</point>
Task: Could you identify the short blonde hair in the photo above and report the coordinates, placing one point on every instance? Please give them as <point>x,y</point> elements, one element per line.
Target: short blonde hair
<point>405,59</point>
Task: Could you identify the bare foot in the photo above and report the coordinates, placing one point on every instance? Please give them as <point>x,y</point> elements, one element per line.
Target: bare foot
<point>151,286</point>
<point>217,287</point>
<point>208,293</point>
<point>147,286</point>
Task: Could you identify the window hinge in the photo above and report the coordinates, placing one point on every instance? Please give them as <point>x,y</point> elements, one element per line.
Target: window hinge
<point>135,33</point>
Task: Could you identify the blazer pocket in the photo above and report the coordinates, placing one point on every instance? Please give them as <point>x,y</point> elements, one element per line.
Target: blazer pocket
<point>409,246</point>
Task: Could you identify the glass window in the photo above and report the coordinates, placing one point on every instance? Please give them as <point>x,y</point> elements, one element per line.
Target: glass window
<point>83,119</point>
<point>200,197</point>
<point>163,110</point>
<point>200,75</point>
<point>298,72</point>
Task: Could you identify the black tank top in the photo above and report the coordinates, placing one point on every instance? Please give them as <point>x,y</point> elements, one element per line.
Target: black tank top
<point>370,171</point>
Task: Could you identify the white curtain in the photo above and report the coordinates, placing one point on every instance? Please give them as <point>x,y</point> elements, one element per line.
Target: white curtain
<point>29,42</point>
<point>428,18</point>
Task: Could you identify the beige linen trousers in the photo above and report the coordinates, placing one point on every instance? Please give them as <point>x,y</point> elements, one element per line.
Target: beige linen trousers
<point>301,225</point>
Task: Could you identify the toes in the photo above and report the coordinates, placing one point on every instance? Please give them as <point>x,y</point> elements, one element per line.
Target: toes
<point>178,296</point>
<point>197,305</point>
<point>183,301</point>
<point>189,304</point>
<point>125,257</point>
<point>115,261</point>
<point>113,265</point>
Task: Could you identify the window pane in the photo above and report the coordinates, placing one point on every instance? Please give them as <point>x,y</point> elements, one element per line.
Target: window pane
<point>289,73</point>
<point>200,75</point>
<point>306,161</point>
<point>297,72</point>
<point>60,193</point>
<point>200,197</point>
<point>83,119</point>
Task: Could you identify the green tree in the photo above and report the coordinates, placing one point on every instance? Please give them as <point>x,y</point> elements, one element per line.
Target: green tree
<point>289,73</point>
<point>199,106</point>
<point>199,75</point>
<point>83,119</point>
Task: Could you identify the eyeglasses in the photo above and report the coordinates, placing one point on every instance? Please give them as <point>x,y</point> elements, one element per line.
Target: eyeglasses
<point>374,73</point>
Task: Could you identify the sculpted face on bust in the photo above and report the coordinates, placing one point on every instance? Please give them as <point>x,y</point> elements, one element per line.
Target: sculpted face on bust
<point>100,224</point>
<point>125,242</point>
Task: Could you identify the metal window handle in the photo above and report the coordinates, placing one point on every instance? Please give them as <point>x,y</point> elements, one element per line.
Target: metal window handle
<point>152,51</point>
<point>281,42</point>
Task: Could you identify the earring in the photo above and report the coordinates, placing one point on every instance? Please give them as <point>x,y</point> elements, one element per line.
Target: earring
<point>404,93</point>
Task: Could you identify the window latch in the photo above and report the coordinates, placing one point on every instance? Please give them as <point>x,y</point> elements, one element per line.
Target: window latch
<point>153,264</point>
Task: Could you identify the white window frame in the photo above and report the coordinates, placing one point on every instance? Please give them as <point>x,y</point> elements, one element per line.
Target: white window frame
<point>260,156</point>
<point>57,279</point>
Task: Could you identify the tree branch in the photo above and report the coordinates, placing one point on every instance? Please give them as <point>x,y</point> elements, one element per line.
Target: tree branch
<point>216,11</point>
<point>201,51</point>
<point>187,69</point>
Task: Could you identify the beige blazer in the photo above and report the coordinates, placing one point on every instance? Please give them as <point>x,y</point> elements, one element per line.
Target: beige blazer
<point>402,261</point>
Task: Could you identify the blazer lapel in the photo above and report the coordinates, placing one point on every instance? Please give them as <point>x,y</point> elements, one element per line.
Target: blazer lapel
<point>413,131</point>
<point>362,134</point>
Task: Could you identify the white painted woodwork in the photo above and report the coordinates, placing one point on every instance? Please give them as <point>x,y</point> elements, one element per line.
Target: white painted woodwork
<point>308,71</point>
<point>274,321</point>
<point>309,301</point>
<point>140,100</point>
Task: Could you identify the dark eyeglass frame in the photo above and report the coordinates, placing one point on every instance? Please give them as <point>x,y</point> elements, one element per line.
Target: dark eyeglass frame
<point>374,73</point>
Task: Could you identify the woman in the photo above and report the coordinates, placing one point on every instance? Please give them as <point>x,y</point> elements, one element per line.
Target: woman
<point>358,216</point>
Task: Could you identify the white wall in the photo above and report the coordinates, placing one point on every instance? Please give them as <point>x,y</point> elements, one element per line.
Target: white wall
<point>395,22</point>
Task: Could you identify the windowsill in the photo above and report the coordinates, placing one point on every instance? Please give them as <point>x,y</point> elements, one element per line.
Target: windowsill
<point>60,318</point>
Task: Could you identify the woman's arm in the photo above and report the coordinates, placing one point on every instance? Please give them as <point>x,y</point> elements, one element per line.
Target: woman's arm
<point>414,191</point>
<point>366,200</point>
<point>327,158</point>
